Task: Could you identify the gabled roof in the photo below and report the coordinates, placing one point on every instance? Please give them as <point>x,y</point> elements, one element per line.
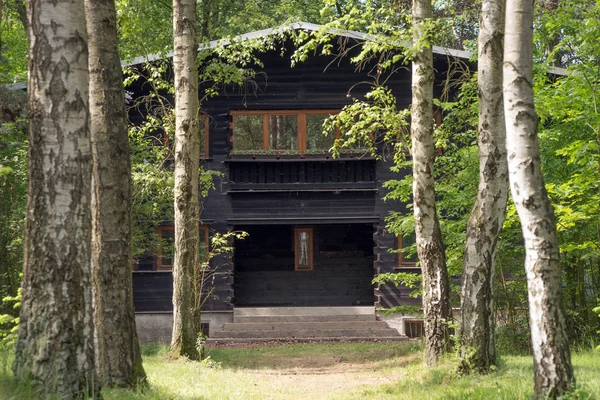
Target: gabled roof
<point>307,26</point>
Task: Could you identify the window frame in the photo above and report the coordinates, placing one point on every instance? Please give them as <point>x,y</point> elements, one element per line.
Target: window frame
<point>158,255</point>
<point>301,124</point>
<point>311,264</point>
<point>401,263</point>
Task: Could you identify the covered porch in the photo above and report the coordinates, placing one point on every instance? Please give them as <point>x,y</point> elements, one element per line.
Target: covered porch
<point>326,265</point>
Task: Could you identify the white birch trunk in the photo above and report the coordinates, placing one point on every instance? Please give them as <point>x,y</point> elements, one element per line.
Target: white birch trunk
<point>553,373</point>
<point>186,298</point>
<point>430,248</point>
<point>118,358</point>
<point>55,343</point>
<point>488,213</point>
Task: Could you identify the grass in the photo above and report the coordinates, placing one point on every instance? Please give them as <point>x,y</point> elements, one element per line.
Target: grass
<point>513,379</point>
<point>326,371</point>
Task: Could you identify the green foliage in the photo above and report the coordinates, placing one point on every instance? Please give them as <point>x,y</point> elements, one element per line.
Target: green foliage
<point>363,123</point>
<point>13,188</point>
<point>569,134</point>
<point>414,311</point>
<point>13,42</point>
<point>9,323</point>
<point>409,279</point>
<point>597,311</point>
<point>145,27</point>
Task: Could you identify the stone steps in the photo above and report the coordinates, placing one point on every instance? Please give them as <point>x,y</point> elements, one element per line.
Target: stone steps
<point>217,341</point>
<point>304,333</point>
<point>304,324</point>
<point>305,318</point>
<point>302,311</point>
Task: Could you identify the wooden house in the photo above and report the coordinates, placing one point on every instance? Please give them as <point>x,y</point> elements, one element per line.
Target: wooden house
<point>316,224</point>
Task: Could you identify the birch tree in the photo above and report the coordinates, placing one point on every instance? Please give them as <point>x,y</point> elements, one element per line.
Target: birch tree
<point>55,344</point>
<point>486,218</point>
<point>186,299</point>
<point>430,248</point>
<point>553,374</point>
<point>118,358</point>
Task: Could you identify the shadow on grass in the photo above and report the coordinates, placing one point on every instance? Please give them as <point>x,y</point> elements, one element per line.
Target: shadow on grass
<point>311,356</point>
<point>154,350</point>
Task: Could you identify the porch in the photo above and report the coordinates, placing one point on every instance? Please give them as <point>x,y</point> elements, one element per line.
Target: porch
<point>304,266</point>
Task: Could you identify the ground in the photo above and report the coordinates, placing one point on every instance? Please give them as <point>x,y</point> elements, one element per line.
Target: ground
<point>328,371</point>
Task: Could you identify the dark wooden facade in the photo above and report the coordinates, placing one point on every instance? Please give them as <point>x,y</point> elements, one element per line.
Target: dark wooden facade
<point>340,199</point>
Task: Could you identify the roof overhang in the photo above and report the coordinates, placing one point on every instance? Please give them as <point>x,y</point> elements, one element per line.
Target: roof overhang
<point>306,26</point>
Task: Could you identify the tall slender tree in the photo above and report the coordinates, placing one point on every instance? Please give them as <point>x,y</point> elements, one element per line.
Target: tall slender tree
<point>488,213</point>
<point>430,248</point>
<point>553,374</point>
<point>186,299</point>
<point>118,358</point>
<point>55,342</point>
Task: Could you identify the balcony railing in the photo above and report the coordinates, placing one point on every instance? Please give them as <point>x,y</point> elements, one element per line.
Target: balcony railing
<point>302,174</point>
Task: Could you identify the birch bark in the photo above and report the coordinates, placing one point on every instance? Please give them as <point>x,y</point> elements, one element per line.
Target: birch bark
<point>55,342</point>
<point>488,213</point>
<point>430,248</point>
<point>186,296</point>
<point>553,373</point>
<point>118,358</point>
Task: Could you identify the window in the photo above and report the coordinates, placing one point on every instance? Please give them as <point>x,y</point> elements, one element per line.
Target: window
<point>303,249</point>
<point>165,253</point>
<point>405,260</point>
<point>315,139</point>
<point>249,132</point>
<point>281,131</point>
<point>414,328</point>
<point>203,128</point>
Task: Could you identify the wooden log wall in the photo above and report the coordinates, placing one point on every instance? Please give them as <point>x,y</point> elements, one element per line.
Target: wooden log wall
<point>299,191</point>
<point>341,275</point>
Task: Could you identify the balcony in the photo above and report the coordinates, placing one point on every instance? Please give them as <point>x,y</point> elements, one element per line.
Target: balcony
<point>299,174</point>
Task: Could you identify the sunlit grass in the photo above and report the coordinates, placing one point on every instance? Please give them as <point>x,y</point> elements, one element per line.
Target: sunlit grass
<point>302,371</point>
<point>513,379</point>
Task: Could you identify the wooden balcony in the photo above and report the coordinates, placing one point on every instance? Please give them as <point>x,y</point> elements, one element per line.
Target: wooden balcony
<point>296,174</point>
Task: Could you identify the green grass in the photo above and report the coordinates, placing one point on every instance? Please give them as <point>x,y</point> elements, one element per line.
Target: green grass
<point>316,355</point>
<point>513,379</point>
<point>326,371</point>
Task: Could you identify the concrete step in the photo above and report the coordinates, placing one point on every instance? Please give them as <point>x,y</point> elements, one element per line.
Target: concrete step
<point>301,311</point>
<point>302,325</point>
<point>305,318</point>
<point>307,333</point>
<point>217,341</point>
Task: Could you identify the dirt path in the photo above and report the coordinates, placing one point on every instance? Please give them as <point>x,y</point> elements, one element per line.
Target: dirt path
<point>303,381</point>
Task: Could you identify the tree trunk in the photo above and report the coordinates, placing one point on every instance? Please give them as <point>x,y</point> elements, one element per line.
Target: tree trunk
<point>430,248</point>
<point>55,345</point>
<point>118,358</point>
<point>186,298</point>
<point>487,216</point>
<point>553,373</point>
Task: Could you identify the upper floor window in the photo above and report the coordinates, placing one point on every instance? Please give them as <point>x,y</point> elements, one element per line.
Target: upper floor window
<point>165,253</point>
<point>298,130</point>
